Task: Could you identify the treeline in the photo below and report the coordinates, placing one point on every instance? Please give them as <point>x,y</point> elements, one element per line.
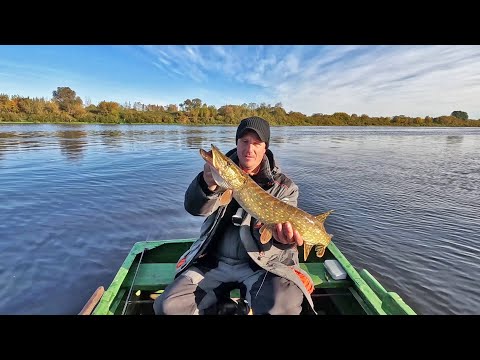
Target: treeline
<point>66,106</point>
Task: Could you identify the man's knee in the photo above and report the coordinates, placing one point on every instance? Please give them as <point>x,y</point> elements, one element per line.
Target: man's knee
<point>277,296</point>
<point>288,299</point>
<point>166,305</point>
<point>177,299</point>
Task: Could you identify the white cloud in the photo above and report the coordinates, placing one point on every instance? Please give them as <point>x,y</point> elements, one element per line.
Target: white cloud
<point>376,80</point>
<point>415,81</point>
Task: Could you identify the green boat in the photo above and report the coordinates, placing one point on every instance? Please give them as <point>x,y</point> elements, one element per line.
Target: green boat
<point>150,266</point>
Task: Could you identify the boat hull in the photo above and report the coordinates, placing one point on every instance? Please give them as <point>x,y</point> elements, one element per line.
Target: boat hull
<point>150,266</point>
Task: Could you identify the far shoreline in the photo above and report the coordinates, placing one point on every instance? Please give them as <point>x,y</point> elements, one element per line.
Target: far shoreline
<point>230,125</point>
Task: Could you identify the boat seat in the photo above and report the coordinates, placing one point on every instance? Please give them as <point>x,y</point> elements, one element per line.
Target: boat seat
<point>154,276</point>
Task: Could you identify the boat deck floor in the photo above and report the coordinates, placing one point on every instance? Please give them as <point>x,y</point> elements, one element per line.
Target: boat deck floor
<point>330,296</point>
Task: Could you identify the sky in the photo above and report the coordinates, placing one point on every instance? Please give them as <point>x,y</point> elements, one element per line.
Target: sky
<point>377,80</point>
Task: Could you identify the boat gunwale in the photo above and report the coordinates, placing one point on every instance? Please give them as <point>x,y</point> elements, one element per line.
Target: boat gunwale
<point>103,307</point>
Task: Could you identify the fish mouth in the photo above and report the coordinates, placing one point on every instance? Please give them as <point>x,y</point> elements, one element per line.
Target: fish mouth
<point>216,153</point>
<point>219,163</point>
<point>207,156</point>
<point>212,157</point>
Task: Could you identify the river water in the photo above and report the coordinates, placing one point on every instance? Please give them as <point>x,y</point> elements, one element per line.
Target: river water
<point>75,198</point>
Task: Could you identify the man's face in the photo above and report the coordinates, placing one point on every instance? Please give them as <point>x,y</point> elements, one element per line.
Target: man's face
<point>250,150</point>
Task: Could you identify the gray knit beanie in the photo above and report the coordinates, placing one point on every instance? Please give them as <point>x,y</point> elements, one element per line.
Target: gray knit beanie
<point>257,124</point>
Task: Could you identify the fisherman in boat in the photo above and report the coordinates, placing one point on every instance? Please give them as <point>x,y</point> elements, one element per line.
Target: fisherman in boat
<point>228,254</point>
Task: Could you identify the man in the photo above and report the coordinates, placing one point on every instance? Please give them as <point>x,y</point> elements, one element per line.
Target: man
<point>228,253</point>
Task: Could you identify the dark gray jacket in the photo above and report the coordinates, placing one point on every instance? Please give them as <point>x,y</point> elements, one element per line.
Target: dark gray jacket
<point>275,257</point>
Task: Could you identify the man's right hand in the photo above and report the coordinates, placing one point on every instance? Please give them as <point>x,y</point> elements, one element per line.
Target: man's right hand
<point>208,177</point>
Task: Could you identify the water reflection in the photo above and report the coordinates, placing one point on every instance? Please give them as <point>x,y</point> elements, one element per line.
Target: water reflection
<point>72,143</point>
<point>111,138</point>
<point>454,139</point>
<point>196,142</point>
<point>12,141</point>
<point>4,143</point>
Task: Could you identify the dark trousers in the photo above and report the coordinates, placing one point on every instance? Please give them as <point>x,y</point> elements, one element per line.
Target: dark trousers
<point>199,289</point>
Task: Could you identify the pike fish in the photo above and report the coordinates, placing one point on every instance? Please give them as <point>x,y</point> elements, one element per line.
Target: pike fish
<point>264,207</point>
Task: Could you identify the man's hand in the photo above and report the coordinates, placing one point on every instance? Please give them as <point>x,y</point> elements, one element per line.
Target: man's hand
<point>208,177</point>
<point>285,234</point>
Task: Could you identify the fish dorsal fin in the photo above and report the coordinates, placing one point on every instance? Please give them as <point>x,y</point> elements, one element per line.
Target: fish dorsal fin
<point>320,250</point>
<point>266,234</point>
<point>306,250</point>
<point>226,197</point>
<point>322,217</point>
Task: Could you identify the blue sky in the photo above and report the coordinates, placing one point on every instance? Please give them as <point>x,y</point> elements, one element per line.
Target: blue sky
<point>413,80</point>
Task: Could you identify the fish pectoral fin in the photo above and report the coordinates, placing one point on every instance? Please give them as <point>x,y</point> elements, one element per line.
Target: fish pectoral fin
<point>322,217</point>
<point>262,228</point>
<point>266,234</point>
<point>306,250</point>
<point>226,197</point>
<point>320,250</point>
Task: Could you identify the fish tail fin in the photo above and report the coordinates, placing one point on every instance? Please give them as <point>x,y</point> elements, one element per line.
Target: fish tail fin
<point>306,250</point>
<point>320,250</point>
<point>322,217</point>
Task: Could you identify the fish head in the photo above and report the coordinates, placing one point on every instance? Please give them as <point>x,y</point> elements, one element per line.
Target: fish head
<point>231,174</point>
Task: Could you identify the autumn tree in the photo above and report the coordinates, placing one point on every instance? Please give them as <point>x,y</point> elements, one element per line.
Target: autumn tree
<point>68,101</point>
<point>26,105</point>
<point>172,108</point>
<point>4,102</point>
<point>196,103</point>
<point>108,108</point>
<point>460,115</point>
<point>51,107</point>
<point>186,105</point>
